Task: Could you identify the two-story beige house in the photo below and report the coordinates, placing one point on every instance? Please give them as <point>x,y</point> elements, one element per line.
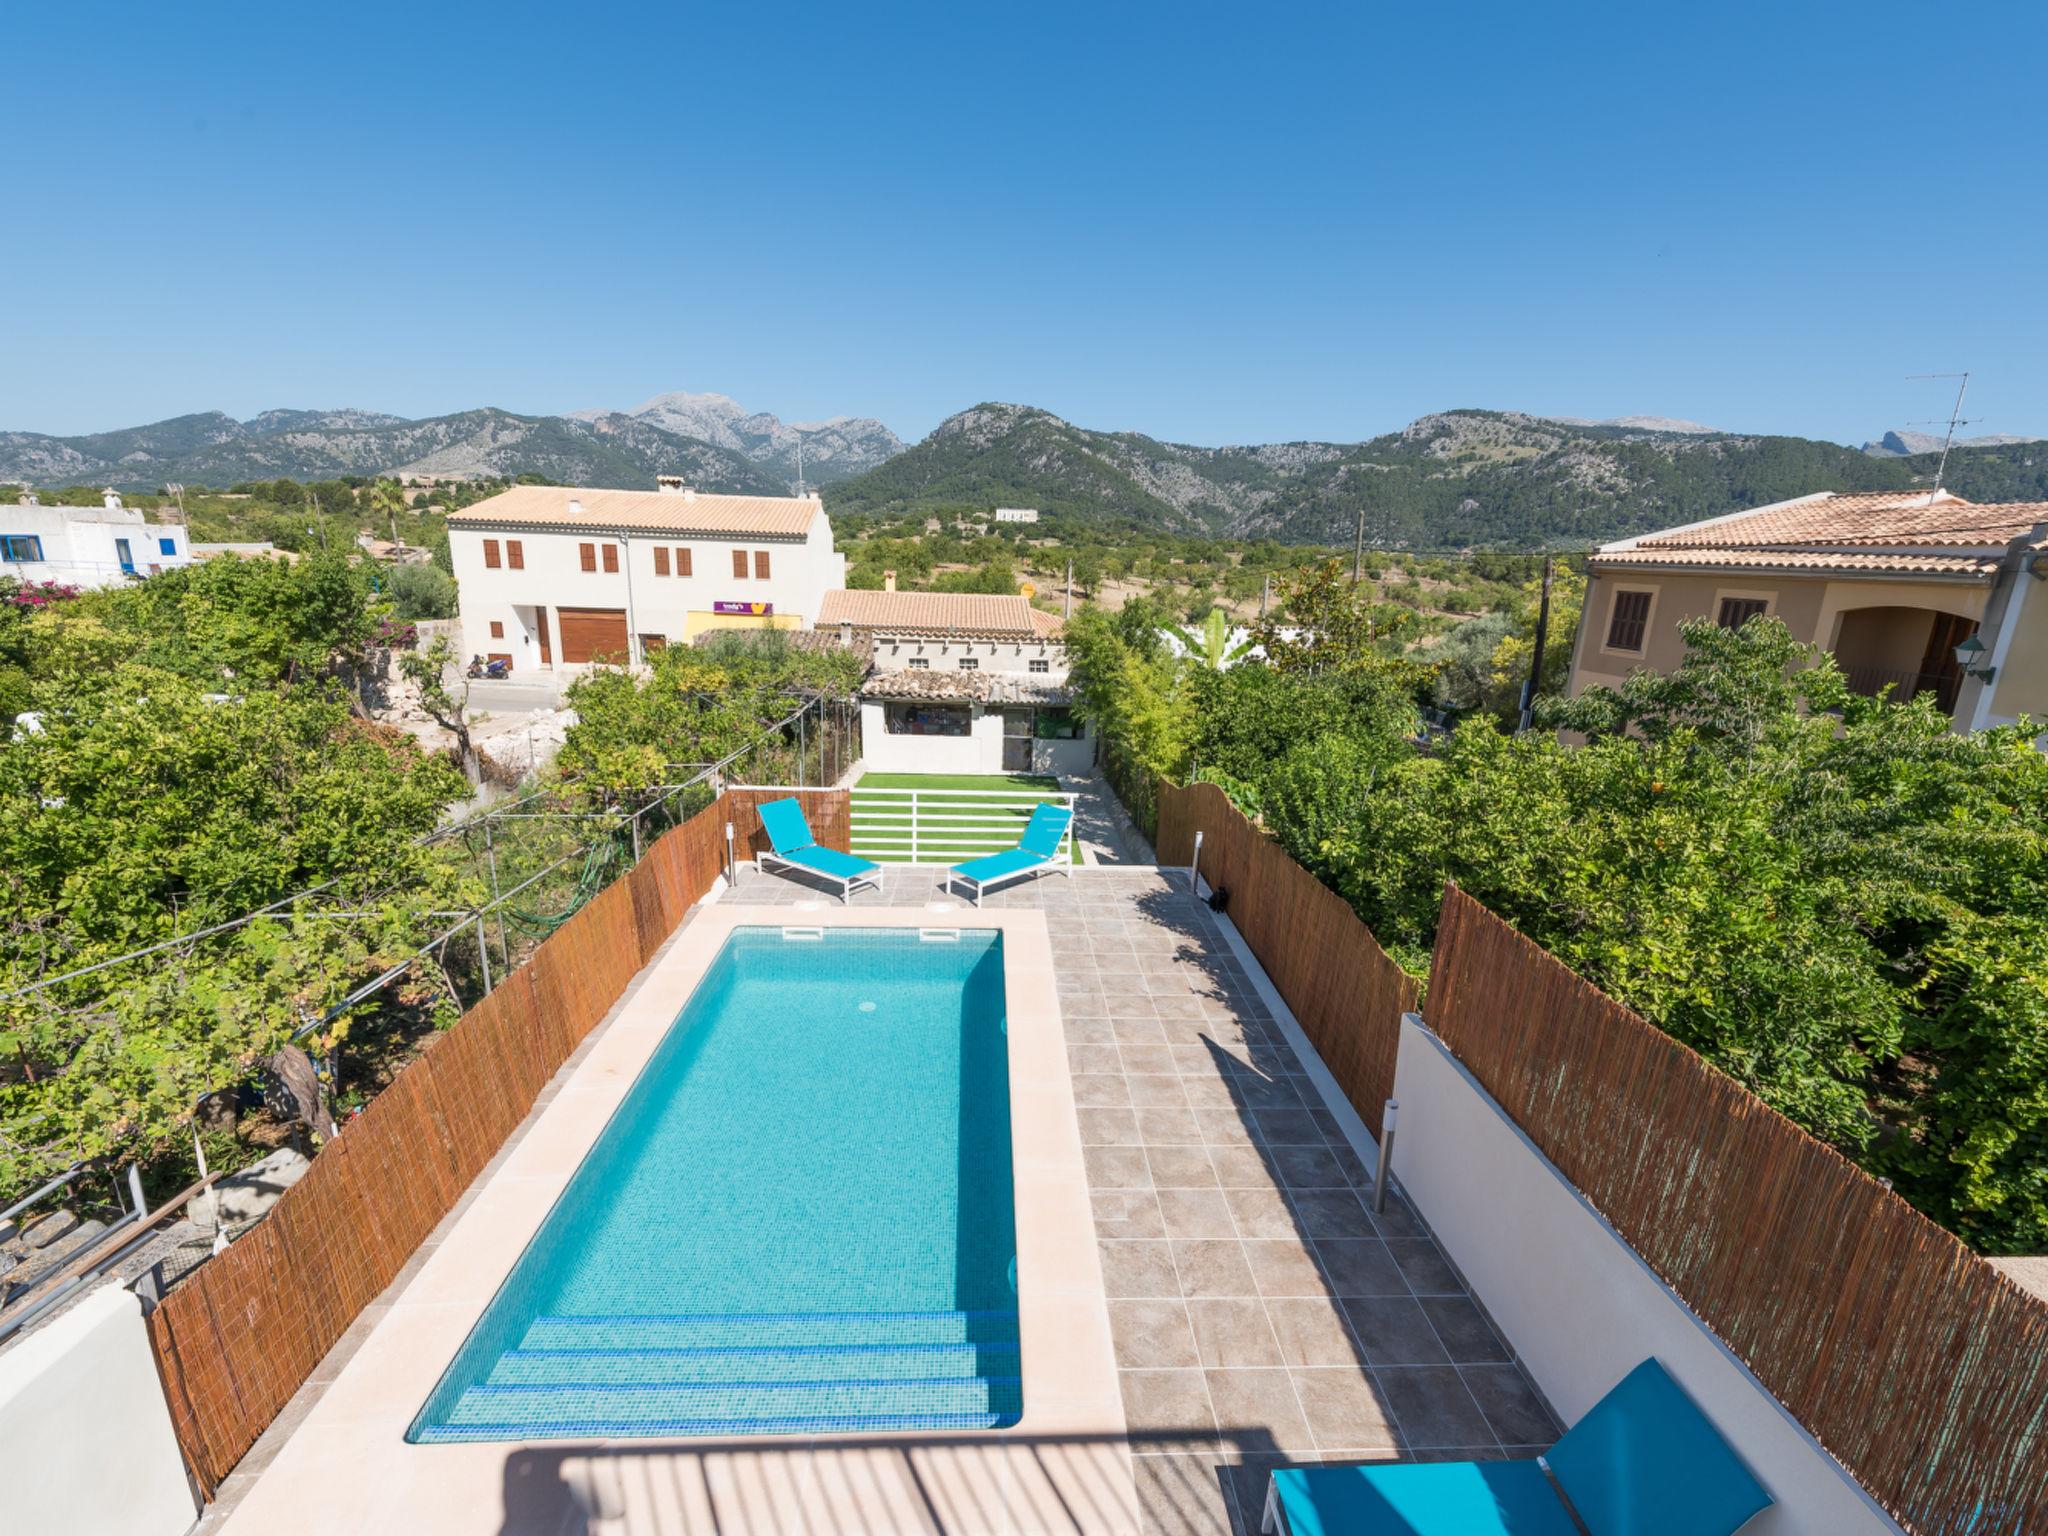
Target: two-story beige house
<point>556,576</point>
<point>1891,582</point>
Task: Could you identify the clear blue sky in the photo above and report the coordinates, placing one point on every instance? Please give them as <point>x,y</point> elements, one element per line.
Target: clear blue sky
<point>1210,223</point>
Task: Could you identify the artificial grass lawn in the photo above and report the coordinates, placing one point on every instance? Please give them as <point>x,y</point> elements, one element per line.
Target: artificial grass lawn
<point>881,829</point>
<point>957,781</point>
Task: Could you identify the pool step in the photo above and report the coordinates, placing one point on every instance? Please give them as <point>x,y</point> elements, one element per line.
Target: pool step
<point>770,1330</point>
<point>788,1373</point>
<point>809,1363</point>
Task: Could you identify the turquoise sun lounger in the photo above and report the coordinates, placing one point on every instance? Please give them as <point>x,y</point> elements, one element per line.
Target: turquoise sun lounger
<point>789,836</point>
<point>1644,1461</point>
<point>1043,846</point>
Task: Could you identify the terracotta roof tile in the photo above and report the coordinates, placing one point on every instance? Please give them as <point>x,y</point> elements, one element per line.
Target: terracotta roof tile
<point>1818,561</point>
<point>935,613</point>
<point>966,687</point>
<point>1889,518</point>
<point>526,506</point>
<point>1875,532</point>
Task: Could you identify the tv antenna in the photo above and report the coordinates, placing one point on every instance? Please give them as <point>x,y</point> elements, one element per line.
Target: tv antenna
<point>1955,419</point>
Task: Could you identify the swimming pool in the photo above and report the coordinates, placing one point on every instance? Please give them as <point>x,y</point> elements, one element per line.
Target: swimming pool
<point>801,1219</point>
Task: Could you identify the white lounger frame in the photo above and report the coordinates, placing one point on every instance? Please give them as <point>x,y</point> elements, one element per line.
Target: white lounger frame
<point>1060,862</point>
<point>846,883</point>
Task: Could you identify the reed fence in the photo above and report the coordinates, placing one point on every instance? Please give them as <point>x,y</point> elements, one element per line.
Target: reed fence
<point>236,1340</point>
<point>1920,1367</point>
<point>1346,992</point>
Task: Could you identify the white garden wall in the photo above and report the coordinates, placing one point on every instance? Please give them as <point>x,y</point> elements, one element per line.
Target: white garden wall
<point>86,1445</point>
<point>1578,1304</point>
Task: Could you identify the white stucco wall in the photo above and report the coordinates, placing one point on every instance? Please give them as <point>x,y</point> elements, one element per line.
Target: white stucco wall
<point>979,752</point>
<point>86,1445</point>
<point>676,607</point>
<point>80,544</point>
<point>1578,1304</point>
<point>1012,658</point>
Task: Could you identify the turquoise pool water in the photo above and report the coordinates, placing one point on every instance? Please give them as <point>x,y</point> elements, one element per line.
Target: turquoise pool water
<point>799,1221</point>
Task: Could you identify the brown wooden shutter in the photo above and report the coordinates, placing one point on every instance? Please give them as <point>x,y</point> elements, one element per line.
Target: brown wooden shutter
<point>497,629</point>
<point>760,565</point>
<point>682,562</point>
<point>515,554</point>
<point>611,557</point>
<point>589,554</point>
<point>490,554</point>
<point>739,564</point>
<point>661,560</point>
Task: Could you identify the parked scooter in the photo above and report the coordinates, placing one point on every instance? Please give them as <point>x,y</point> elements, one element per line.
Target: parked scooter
<point>493,670</point>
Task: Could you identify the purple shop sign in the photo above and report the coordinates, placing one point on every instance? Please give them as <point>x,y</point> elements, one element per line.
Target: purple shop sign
<point>758,610</point>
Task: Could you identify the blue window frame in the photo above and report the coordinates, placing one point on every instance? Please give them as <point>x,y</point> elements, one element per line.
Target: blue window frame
<point>17,548</point>
<point>125,555</point>
<point>167,546</point>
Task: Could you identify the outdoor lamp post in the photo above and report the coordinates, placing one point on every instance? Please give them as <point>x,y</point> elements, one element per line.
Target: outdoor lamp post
<point>1970,656</point>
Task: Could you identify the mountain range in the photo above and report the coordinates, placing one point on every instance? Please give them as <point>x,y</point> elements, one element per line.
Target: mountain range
<point>1447,480</point>
<point>714,442</point>
<point>1899,443</point>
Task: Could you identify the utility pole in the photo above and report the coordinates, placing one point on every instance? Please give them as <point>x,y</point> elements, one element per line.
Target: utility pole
<point>1358,549</point>
<point>1542,638</point>
<point>1070,589</point>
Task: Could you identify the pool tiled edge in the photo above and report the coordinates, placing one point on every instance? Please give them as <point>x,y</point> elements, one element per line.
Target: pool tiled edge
<point>1062,1467</point>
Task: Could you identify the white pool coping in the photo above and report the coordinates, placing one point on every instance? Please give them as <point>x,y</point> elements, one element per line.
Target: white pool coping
<point>1063,1468</point>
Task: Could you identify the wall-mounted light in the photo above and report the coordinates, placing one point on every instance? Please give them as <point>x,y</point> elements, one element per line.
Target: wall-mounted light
<point>1970,657</point>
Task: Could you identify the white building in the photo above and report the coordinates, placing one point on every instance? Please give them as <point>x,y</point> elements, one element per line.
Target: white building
<point>1016,514</point>
<point>555,576</point>
<point>962,683</point>
<point>87,546</point>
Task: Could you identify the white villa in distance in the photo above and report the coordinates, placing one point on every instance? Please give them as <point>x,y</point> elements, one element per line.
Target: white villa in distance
<point>1016,514</point>
<point>555,576</point>
<point>961,683</point>
<point>87,546</point>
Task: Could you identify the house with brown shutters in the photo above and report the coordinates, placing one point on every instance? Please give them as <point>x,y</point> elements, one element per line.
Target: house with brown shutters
<point>554,577</point>
<point>1913,591</point>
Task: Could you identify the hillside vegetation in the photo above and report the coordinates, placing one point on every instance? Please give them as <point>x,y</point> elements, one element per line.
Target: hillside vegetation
<point>1456,480</point>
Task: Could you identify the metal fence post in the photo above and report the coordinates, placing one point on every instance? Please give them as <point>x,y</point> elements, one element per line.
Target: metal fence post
<point>1385,1173</point>
<point>483,953</point>
<point>732,870</point>
<point>1195,867</point>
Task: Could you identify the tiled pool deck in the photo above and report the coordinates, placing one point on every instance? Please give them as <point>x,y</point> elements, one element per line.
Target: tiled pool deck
<point>1261,1312</point>
<point>1258,1311</point>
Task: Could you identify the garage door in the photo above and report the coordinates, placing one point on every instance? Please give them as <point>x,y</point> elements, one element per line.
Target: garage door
<point>593,634</point>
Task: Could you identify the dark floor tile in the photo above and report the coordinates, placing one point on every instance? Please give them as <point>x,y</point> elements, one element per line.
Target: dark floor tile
<point>1309,1168</point>
<point>1465,1331</point>
<point>1360,1267</point>
<point>1511,1405</point>
<point>1329,1213</point>
<point>1431,1406</point>
<point>1393,1330</point>
<point>1424,1267</point>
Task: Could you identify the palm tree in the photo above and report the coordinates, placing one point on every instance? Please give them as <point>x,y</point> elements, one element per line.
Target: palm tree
<point>388,497</point>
